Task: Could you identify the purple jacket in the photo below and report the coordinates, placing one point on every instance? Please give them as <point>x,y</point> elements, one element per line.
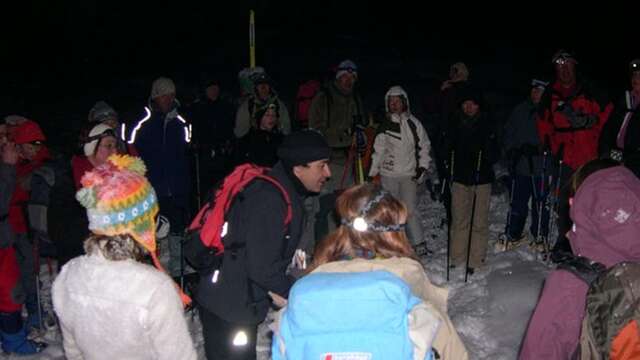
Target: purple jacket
<point>606,214</point>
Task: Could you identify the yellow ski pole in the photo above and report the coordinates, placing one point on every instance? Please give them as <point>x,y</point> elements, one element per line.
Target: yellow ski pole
<point>252,40</point>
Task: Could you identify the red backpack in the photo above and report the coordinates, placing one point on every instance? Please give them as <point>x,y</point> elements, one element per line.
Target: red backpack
<point>306,92</point>
<point>204,242</point>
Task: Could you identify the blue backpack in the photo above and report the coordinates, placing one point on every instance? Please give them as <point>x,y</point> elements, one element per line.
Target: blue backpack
<point>340,316</point>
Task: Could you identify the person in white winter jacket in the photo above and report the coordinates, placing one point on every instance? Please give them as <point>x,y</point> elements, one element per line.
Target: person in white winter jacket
<point>401,158</point>
<point>110,305</point>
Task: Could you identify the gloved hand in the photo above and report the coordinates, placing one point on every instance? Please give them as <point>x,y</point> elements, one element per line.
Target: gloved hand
<point>616,154</point>
<point>421,175</point>
<point>162,227</point>
<point>580,121</point>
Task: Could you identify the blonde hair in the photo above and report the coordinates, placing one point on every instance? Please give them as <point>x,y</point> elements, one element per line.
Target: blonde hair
<point>346,241</point>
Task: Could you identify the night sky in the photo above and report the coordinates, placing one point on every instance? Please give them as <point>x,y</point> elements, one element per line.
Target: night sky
<point>61,58</point>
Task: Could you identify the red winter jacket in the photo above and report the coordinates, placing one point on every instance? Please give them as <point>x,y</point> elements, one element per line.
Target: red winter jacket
<point>580,145</point>
<point>20,195</point>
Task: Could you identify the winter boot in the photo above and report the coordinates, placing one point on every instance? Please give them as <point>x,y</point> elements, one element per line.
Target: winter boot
<point>14,336</point>
<point>18,343</point>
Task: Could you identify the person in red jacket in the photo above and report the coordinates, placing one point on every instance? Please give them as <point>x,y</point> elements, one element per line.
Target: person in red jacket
<point>13,335</point>
<point>570,123</point>
<point>33,152</point>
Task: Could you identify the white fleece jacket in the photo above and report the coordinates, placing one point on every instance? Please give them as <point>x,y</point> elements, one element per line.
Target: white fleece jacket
<point>119,310</point>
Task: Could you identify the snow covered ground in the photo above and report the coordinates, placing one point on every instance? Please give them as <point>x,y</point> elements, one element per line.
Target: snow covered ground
<point>490,311</point>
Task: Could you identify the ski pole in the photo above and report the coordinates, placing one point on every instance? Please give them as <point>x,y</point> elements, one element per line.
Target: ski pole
<point>453,156</point>
<point>556,205</point>
<point>541,200</point>
<point>198,193</point>
<point>473,213</point>
<point>36,269</point>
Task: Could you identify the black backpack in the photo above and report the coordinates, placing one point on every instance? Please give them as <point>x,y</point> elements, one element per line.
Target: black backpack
<point>57,222</point>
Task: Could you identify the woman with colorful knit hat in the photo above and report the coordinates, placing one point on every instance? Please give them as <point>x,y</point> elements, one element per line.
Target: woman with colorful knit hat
<point>110,305</point>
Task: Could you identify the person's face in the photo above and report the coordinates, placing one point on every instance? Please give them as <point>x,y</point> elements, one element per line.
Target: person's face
<point>4,134</point>
<point>269,120</point>
<point>536,95</point>
<point>635,81</point>
<point>263,90</point>
<point>313,175</point>
<point>213,92</point>
<point>395,105</point>
<point>165,102</point>
<point>28,151</point>
<point>566,71</point>
<point>107,146</point>
<point>346,82</point>
<point>470,108</point>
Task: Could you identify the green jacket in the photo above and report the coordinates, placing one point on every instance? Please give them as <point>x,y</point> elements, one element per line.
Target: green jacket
<point>332,113</point>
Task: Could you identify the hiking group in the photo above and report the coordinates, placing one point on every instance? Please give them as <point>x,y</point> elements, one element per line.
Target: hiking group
<point>315,216</point>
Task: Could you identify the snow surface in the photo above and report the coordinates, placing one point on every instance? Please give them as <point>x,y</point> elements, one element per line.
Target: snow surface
<point>490,311</point>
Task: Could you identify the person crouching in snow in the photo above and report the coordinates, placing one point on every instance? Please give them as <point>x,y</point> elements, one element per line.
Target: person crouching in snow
<point>105,298</point>
<point>599,234</point>
<point>372,238</point>
<point>401,158</point>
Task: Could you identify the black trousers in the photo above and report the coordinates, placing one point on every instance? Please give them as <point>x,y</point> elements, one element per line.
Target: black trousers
<point>219,337</point>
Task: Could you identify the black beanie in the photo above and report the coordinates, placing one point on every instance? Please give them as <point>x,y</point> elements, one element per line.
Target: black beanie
<point>471,93</point>
<point>303,147</point>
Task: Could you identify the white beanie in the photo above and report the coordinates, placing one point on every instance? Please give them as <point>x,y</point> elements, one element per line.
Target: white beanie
<point>162,86</point>
<point>90,147</point>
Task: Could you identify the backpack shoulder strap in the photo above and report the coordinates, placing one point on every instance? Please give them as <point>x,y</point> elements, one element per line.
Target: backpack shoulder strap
<point>585,269</point>
<point>285,196</point>
<point>416,141</point>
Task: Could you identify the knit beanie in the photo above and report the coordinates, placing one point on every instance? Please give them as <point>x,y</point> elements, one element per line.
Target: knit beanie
<point>346,67</point>
<point>303,147</point>
<point>162,86</point>
<point>94,137</point>
<point>471,93</point>
<point>28,132</point>
<point>120,200</point>
<point>102,111</point>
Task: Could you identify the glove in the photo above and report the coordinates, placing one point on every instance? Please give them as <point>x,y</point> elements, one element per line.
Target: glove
<point>616,154</point>
<point>583,121</point>
<point>421,175</point>
<point>162,227</point>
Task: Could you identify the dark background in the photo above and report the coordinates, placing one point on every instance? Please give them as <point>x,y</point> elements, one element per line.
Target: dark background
<point>60,58</point>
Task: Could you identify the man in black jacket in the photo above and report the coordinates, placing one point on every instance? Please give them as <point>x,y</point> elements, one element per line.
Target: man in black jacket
<point>236,299</point>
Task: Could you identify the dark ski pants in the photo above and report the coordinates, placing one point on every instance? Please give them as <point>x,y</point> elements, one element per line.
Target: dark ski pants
<point>218,337</point>
<point>523,190</point>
